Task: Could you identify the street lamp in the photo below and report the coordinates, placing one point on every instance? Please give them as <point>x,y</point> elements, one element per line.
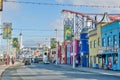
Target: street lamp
<point>56,48</point>
<point>74,41</point>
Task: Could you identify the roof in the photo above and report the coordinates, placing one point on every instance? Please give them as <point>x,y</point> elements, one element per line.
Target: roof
<point>106,18</point>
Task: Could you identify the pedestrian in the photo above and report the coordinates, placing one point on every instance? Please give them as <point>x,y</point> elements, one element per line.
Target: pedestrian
<point>12,59</point>
<point>76,63</point>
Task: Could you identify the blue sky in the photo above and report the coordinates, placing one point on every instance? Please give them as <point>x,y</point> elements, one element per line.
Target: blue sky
<point>37,22</point>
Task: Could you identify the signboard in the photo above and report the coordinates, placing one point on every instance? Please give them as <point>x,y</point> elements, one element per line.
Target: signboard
<point>1,5</point>
<point>15,43</point>
<point>67,32</point>
<point>7,30</point>
<point>53,43</point>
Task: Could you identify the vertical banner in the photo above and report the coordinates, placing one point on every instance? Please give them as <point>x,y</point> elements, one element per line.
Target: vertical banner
<point>7,30</point>
<point>15,43</point>
<point>53,43</point>
<point>1,5</point>
<point>67,32</point>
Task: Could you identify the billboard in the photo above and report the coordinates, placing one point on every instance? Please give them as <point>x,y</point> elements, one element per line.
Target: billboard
<point>7,30</point>
<point>53,43</point>
<point>67,32</point>
<point>1,5</point>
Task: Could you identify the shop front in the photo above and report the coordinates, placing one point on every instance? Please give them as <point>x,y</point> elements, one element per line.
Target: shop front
<point>110,60</point>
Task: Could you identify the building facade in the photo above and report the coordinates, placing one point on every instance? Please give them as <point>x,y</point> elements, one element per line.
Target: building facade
<point>84,48</point>
<point>111,44</point>
<point>95,42</point>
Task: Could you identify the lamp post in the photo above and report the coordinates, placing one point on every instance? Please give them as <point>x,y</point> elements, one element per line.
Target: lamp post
<point>56,48</point>
<point>74,42</point>
<point>80,44</point>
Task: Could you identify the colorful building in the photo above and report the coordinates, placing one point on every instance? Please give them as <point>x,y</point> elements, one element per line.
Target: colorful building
<point>84,48</point>
<point>111,45</point>
<point>68,54</point>
<point>76,49</point>
<point>95,42</point>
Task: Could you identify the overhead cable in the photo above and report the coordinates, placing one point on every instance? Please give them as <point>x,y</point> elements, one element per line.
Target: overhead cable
<point>58,4</point>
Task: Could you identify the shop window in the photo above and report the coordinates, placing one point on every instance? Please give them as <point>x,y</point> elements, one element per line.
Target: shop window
<point>115,59</point>
<point>94,59</point>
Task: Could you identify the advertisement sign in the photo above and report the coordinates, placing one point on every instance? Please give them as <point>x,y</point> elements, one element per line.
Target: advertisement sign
<point>1,5</point>
<point>7,30</point>
<point>15,43</point>
<point>53,43</point>
<point>67,32</point>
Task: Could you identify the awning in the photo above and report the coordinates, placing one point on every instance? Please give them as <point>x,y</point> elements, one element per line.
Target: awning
<point>106,53</point>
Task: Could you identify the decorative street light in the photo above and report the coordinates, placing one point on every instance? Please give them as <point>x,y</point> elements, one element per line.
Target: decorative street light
<point>56,48</point>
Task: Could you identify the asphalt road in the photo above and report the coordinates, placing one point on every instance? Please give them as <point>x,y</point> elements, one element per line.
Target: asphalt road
<point>50,72</point>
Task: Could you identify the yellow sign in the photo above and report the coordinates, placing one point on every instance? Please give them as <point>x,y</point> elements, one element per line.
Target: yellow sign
<point>7,31</point>
<point>1,5</point>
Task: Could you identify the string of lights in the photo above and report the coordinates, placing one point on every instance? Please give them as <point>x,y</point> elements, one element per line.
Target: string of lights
<point>70,5</point>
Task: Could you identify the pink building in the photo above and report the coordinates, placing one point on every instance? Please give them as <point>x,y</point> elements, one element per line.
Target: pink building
<point>76,49</point>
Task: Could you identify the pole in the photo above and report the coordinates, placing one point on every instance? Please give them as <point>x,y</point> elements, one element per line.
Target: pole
<point>56,48</point>
<point>74,44</point>
<point>7,51</point>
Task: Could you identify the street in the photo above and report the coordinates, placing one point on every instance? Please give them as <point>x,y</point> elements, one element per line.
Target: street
<point>50,72</point>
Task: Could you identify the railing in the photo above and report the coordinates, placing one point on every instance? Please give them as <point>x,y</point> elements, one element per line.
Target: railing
<point>107,49</point>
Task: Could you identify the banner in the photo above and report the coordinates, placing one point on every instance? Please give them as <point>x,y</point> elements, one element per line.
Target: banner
<point>15,43</point>
<point>1,5</point>
<point>53,43</point>
<point>67,32</point>
<point>7,30</point>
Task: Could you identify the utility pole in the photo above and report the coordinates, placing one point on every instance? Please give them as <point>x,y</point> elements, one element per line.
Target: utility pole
<point>74,42</point>
<point>56,48</point>
<point>21,46</point>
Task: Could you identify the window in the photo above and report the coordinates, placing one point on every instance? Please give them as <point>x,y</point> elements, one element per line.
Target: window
<point>119,39</point>
<point>98,41</point>
<point>108,41</point>
<point>103,42</point>
<point>94,43</point>
<point>90,44</point>
<point>115,59</point>
<point>94,59</point>
<point>114,40</point>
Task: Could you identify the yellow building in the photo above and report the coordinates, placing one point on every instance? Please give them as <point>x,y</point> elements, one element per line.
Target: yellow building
<point>95,42</point>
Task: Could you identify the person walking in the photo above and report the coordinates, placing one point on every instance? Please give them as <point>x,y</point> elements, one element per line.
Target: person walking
<point>12,59</point>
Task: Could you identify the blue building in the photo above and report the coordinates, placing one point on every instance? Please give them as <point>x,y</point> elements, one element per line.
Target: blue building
<point>110,37</point>
<point>84,48</point>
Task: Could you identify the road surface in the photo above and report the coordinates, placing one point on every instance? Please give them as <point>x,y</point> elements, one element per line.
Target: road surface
<point>50,72</point>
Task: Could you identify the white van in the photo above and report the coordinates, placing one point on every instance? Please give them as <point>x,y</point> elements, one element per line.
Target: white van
<point>45,59</point>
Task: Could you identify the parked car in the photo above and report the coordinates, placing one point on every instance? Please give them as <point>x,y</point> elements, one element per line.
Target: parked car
<point>36,60</point>
<point>27,61</point>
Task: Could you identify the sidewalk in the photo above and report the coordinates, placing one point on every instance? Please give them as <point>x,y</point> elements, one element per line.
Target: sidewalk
<point>4,67</point>
<point>86,69</point>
